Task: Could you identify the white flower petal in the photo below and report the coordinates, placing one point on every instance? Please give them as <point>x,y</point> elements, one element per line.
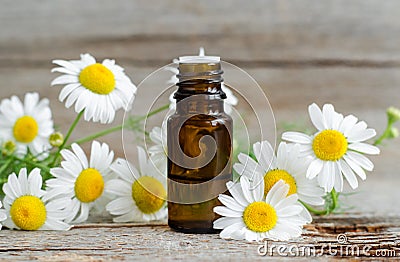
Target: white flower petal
<point>230,203</point>
<point>297,137</point>
<point>224,222</point>
<point>347,125</point>
<point>35,183</point>
<point>84,214</point>
<point>365,148</point>
<point>348,174</point>
<point>338,183</point>
<point>51,224</point>
<point>288,201</point>
<point>278,192</point>
<point>224,211</point>
<point>325,177</point>
<point>288,211</point>
<point>245,184</point>
<point>65,79</point>
<point>227,232</point>
<point>315,168</point>
<point>248,166</point>
<point>67,90</point>
<point>257,187</point>
<point>63,70</point>
<point>128,217</point>
<point>316,117</point>
<point>362,135</point>
<point>67,65</point>
<point>355,167</point>
<point>252,236</point>
<point>236,191</point>
<point>264,153</point>
<point>120,206</point>
<point>80,155</point>
<point>118,187</point>
<point>361,160</point>
<point>328,112</point>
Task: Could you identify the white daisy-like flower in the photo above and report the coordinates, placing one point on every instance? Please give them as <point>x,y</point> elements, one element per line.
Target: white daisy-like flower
<point>251,216</point>
<point>141,194</point>
<point>28,125</point>
<point>337,148</point>
<point>28,206</point>
<point>230,101</point>
<point>158,151</point>
<point>286,166</point>
<point>98,88</point>
<point>3,215</point>
<point>81,180</point>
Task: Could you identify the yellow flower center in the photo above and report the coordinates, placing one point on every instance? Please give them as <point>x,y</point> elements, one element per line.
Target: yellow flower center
<point>25,129</point>
<point>273,176</point>
<point>28,213</point>
<point>260,217</point>
<point>330,145</point>
<point>98,79</point>
<point>89,185</point>
<point>149,194</point>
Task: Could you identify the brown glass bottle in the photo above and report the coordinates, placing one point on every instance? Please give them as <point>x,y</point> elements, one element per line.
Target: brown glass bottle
<point>199,139</point>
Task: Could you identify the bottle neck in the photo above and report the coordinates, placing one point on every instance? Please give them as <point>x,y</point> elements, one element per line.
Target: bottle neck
<point>199,104</point>
<point>200,88</point>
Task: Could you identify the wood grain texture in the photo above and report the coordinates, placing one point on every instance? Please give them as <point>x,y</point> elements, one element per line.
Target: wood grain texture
<point>98,242</point>
<point>272,32</point>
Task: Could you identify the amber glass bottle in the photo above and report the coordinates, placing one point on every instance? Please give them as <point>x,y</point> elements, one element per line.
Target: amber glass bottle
<point>199,139</point>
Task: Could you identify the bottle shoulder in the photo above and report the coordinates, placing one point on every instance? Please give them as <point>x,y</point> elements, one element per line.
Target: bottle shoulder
<point>200,117</point>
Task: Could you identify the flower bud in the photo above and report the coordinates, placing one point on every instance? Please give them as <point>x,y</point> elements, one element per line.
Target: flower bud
<point>393,133</point>
<point>393,114</point>
<point>56,139</point>
<point>8,148</point>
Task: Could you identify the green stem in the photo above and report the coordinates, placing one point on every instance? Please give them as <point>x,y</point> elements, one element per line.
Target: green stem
<point>384,135</point>
<point>334,196</point>
<point>120,127</point>
<point>33,163</point>
<point>98,134</point>
<point>72,127</point>
<point>328,209</point>
<point>5,165</point>
<point>314,211</point>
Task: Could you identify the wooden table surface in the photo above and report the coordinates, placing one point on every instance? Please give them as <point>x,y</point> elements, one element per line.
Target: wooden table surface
<point>368,236</point>
<point>343,52</point>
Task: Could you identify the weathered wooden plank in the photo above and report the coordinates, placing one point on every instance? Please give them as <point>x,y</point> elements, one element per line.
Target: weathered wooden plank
<point>158,242</point>
<point>273,33</point>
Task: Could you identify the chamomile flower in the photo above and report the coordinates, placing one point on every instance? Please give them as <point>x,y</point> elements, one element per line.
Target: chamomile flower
<point>81,180</point>
<point>286,166</point>
<point>336,149</point>
<point>230,101</point>
<point>251,216</point>
<point>3,215</point>
<point>141,194</point>
<point>158,151</point>
<point>28,206</point>
<point>98,88</point>
<point>28,125</point>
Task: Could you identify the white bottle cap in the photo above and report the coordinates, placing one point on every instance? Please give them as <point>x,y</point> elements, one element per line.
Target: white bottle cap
<point>199,59</point>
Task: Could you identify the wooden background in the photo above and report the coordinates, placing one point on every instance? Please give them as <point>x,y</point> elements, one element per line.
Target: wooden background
<point>343,52</point>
